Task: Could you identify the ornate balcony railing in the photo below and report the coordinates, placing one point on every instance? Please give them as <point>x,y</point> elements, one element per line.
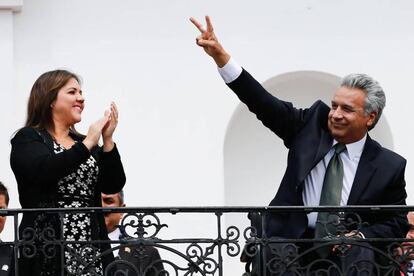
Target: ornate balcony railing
<point>211,240</point>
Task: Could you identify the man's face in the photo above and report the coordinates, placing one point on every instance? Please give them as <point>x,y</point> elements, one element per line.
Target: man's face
<point>409,246</point>
<point>410,217</point>
<point>347,121</point>
<point>3,205</point>
<point>112,219</point>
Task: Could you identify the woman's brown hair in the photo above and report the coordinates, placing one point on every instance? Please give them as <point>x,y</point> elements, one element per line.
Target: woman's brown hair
<point>44,92</point>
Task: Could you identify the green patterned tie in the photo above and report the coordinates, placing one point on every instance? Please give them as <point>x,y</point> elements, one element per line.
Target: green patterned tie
<point>331,193</point>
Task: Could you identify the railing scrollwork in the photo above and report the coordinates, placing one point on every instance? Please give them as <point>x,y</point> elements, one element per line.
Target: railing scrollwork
<point>143,228</point>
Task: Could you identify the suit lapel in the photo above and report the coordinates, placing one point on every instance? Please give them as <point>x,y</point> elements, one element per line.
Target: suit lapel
<point>309,160</point>
<point>6,253</point>
<point>365,170</point>
<point>325,144</point>
<point>324,147</point>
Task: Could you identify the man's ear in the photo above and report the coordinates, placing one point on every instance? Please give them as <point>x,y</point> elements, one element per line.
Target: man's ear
<point>371,119</point>
<point>123,205</point>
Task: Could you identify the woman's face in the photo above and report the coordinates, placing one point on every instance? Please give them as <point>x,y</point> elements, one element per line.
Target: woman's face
<point>69,104</point>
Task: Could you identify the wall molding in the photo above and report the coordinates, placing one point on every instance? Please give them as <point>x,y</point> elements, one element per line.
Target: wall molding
<point>12,5</point>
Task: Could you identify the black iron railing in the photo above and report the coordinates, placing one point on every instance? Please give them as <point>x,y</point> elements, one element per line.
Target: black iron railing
<point>211,241</point>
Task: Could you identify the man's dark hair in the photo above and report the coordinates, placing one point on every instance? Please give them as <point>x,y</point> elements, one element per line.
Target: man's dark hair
<point>121,197</point>
<point>3,191</point>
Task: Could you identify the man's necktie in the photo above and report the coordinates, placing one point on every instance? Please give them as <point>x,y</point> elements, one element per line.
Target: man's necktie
<point>331,193</point>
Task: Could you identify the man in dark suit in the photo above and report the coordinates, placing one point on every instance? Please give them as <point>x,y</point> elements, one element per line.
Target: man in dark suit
<point>6,251</point>
<point>138,259</point>
<point>370,174</point>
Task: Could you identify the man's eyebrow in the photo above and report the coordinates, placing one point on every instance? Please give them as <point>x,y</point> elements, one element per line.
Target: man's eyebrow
<point>349,106</point>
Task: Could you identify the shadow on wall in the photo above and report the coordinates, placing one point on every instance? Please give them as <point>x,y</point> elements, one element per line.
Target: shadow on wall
<point>254,157</point>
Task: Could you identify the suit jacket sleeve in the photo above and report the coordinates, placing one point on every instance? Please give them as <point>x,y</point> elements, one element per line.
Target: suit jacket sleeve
<point>279,116</point>
<point>391,224</point>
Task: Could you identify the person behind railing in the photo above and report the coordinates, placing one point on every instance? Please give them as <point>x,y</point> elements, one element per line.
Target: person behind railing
<point>6,251</point>
<point>56,166</point>
<point>143,258</point>
<point>409,246</point>
<point>332,159</point>
<point>405,253</point>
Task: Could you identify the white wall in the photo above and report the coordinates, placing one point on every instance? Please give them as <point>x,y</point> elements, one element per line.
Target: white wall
<point>174,107</point>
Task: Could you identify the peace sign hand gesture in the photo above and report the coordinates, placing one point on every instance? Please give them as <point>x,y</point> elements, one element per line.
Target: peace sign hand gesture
<point>209,42</point>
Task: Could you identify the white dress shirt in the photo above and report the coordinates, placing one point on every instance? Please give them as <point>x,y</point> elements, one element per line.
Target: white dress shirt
<point>314,180</point>
<point>114,236</point>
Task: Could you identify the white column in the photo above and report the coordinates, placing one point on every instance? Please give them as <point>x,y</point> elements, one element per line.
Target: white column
<point>7,9</point>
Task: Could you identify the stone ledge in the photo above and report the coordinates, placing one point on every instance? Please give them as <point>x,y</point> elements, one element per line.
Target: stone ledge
<point>13,5</point>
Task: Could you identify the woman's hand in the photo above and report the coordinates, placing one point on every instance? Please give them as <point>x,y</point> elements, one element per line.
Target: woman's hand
<point>109,128</point>
<point>95,131</point>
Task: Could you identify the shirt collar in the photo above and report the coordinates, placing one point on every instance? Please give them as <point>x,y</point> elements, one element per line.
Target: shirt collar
<point>114,235</point>
<point>354,150</point>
